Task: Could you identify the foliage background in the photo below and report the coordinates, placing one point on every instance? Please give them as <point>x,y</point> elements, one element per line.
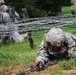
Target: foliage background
<point>38,8</point>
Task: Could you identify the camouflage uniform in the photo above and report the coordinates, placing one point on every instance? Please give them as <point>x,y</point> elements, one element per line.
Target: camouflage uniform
<point>45,52</point>
<point>72,1</point>
<point>72,7</point>
<point>2,1</point>
<point>7,11</point>
<point>4,16</point>
<point>18,38</point>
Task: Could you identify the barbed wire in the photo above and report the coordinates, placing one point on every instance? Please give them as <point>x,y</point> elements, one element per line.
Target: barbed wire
<point>34,24</point>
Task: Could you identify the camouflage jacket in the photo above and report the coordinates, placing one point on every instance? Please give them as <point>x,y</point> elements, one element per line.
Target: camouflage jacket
<point>43,55</point>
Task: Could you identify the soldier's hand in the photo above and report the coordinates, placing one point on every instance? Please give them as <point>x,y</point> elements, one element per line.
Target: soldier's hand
<point>39,63</point>
<point>63,48</point>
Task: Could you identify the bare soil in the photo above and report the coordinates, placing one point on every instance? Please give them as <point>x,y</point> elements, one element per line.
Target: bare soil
<point>13,70</point>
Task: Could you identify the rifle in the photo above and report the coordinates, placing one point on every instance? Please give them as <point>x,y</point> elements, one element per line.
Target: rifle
<point>37,68</point>
<point>31,70</point>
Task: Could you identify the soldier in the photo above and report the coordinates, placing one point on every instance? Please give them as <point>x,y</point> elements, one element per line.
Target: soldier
<point>72,7</point>
<point>8,12</point>
<point>72,1</point>
<point>4,16</point>
<point>1,2</point>
<point>18,38</point>
<point>3,7</point>
<point>56,44</point>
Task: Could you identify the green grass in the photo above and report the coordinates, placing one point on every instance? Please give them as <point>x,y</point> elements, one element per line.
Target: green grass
<point>66,11</point>
<point>22,53</point>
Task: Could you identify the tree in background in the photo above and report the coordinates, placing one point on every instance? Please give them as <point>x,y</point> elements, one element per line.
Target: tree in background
<point>39,8</point>
<point>52,7</point>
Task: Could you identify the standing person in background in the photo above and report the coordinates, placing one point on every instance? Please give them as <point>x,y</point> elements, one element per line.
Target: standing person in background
<point>1,3</point>
<point>8,11</point>
<point>4,15</point>
<point>73,9</point>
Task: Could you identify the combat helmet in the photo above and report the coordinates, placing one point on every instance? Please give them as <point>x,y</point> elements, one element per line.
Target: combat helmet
<point>4,8</point>
<point>55,36</point>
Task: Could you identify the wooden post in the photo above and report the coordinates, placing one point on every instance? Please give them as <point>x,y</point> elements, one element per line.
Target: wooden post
<point>30,39</point>
<point>75,6</point>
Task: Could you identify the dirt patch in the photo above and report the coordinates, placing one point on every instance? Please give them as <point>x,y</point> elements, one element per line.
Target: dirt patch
<point>13,70</point>
<point>73,70</point>
<point>39,73</point>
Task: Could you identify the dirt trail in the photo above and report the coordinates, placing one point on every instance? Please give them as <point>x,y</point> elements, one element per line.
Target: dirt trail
<point>13,70</point>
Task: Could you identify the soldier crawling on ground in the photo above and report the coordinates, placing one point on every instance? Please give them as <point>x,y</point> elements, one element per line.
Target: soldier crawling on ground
<point>72,7</point>
<point>56,44</point>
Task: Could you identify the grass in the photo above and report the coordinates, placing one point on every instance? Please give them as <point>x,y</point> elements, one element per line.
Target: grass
<point>66,11</point>
<point>22,54</point>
